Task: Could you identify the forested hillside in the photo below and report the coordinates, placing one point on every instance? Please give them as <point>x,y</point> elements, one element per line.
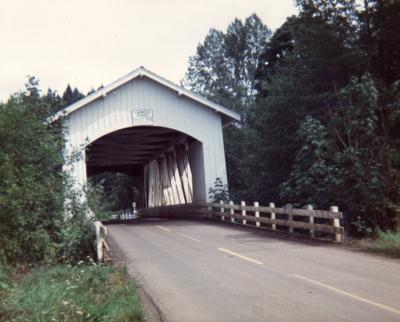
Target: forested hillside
<point>320,106</point>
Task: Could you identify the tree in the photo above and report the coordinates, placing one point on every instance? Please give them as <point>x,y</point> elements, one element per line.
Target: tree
<point>325,118</point>
<point>314,174</point>
<point>71,96</point>
<point>33,226</point>
<point>223,69</point>
<point>118,190</point>
<point>277,48</point>
<point>321,114</point>
<point>311,56</point>
<point>224,66</point>
<point>380,22</point>
<point>219,192</point>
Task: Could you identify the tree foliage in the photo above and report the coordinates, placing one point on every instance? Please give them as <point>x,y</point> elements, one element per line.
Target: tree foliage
<point>117,191</point>
<point>224,65</point>
<point>224,70</point>
<point>219,192</point>
<point>71,96</point>
<point>322,125</point>
<point>33,226</point>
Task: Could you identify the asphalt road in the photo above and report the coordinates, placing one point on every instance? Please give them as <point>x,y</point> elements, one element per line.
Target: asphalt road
<point>204,271</point>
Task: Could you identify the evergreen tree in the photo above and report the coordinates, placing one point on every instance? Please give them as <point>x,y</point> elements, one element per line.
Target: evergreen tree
<point>71,96</point>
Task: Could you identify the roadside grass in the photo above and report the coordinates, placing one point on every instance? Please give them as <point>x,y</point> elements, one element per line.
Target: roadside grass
<point>86,292</point>
<point>386,243</point>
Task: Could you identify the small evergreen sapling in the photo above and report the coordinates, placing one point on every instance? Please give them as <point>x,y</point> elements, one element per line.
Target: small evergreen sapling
<point>219,191</point>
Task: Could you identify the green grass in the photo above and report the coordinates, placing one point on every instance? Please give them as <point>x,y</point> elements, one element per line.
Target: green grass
<point>386,243</point>
<point>86,292</point>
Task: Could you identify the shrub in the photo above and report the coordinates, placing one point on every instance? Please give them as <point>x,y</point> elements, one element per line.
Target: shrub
<point>386,243</point>
<point>33,187</point>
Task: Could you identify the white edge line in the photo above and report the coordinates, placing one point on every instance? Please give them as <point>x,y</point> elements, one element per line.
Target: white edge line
<point>163,228</point>
<point>241,256</point>
<point>356,297</point>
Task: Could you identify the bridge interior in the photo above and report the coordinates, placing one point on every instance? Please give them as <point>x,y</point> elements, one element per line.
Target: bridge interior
<point>167,166</point>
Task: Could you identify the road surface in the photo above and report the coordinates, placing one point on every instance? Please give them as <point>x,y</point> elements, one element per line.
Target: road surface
<point>205,271</point>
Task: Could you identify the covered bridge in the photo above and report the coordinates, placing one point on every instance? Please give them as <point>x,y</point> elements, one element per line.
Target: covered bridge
<point>164,136</point>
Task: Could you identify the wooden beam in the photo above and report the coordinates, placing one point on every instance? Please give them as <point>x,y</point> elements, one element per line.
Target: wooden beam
<point>177,177</point>
<point>164,178</point>
<point>168,148</point>
<point>184,173</point>
<point>188,171</point>
<point>168,181</point>
<point>127,146</point>
<point>172,179</point>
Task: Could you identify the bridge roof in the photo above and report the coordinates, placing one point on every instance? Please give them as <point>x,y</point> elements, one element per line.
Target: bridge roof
<point>143,72</point>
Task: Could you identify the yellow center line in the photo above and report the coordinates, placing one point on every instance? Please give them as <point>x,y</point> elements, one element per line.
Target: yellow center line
<point>241,256</point>
<point>356,297</point>
<point>188,237</point>
<point>163,228</point>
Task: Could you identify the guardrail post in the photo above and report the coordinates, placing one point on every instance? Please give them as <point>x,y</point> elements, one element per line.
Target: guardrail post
<point>336,223</point>
<point>222,210</point>
<point>290,217</point>
<point>231,211</point>
<point>242,203</point>
<point>101,233</point>
<point>272,205</point>
<point>257,213</point>
<point>311,220</point>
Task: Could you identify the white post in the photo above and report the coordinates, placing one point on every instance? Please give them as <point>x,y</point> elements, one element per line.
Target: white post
<point>101,233</point>
<point>290,217</point>
<point>222,210</point>
<point>336,223</point>
<point>272,205</point>
<point>311,220</point>
<point>242,203</point>
<point>232,211</point>
<point>257,213</point>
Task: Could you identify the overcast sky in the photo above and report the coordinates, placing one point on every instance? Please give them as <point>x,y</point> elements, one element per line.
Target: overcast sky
<point>91,42</point>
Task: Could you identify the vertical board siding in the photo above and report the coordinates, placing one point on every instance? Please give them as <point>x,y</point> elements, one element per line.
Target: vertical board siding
<point>113,112</point>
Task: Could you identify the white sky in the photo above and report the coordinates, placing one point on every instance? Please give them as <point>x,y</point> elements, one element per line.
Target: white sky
<point>91,42</point>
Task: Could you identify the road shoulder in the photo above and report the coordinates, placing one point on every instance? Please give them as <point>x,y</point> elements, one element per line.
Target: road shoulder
<point>151,310</point>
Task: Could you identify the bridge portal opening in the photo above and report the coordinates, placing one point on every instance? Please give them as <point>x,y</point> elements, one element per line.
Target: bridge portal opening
<point>166,166</point>
<point>112,192</point>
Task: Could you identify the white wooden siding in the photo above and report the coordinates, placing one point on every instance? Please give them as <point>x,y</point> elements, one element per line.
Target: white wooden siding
<point>114,112</point>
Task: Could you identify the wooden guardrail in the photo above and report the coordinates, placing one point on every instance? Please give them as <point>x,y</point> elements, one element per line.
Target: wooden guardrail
<point>320,224</point>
